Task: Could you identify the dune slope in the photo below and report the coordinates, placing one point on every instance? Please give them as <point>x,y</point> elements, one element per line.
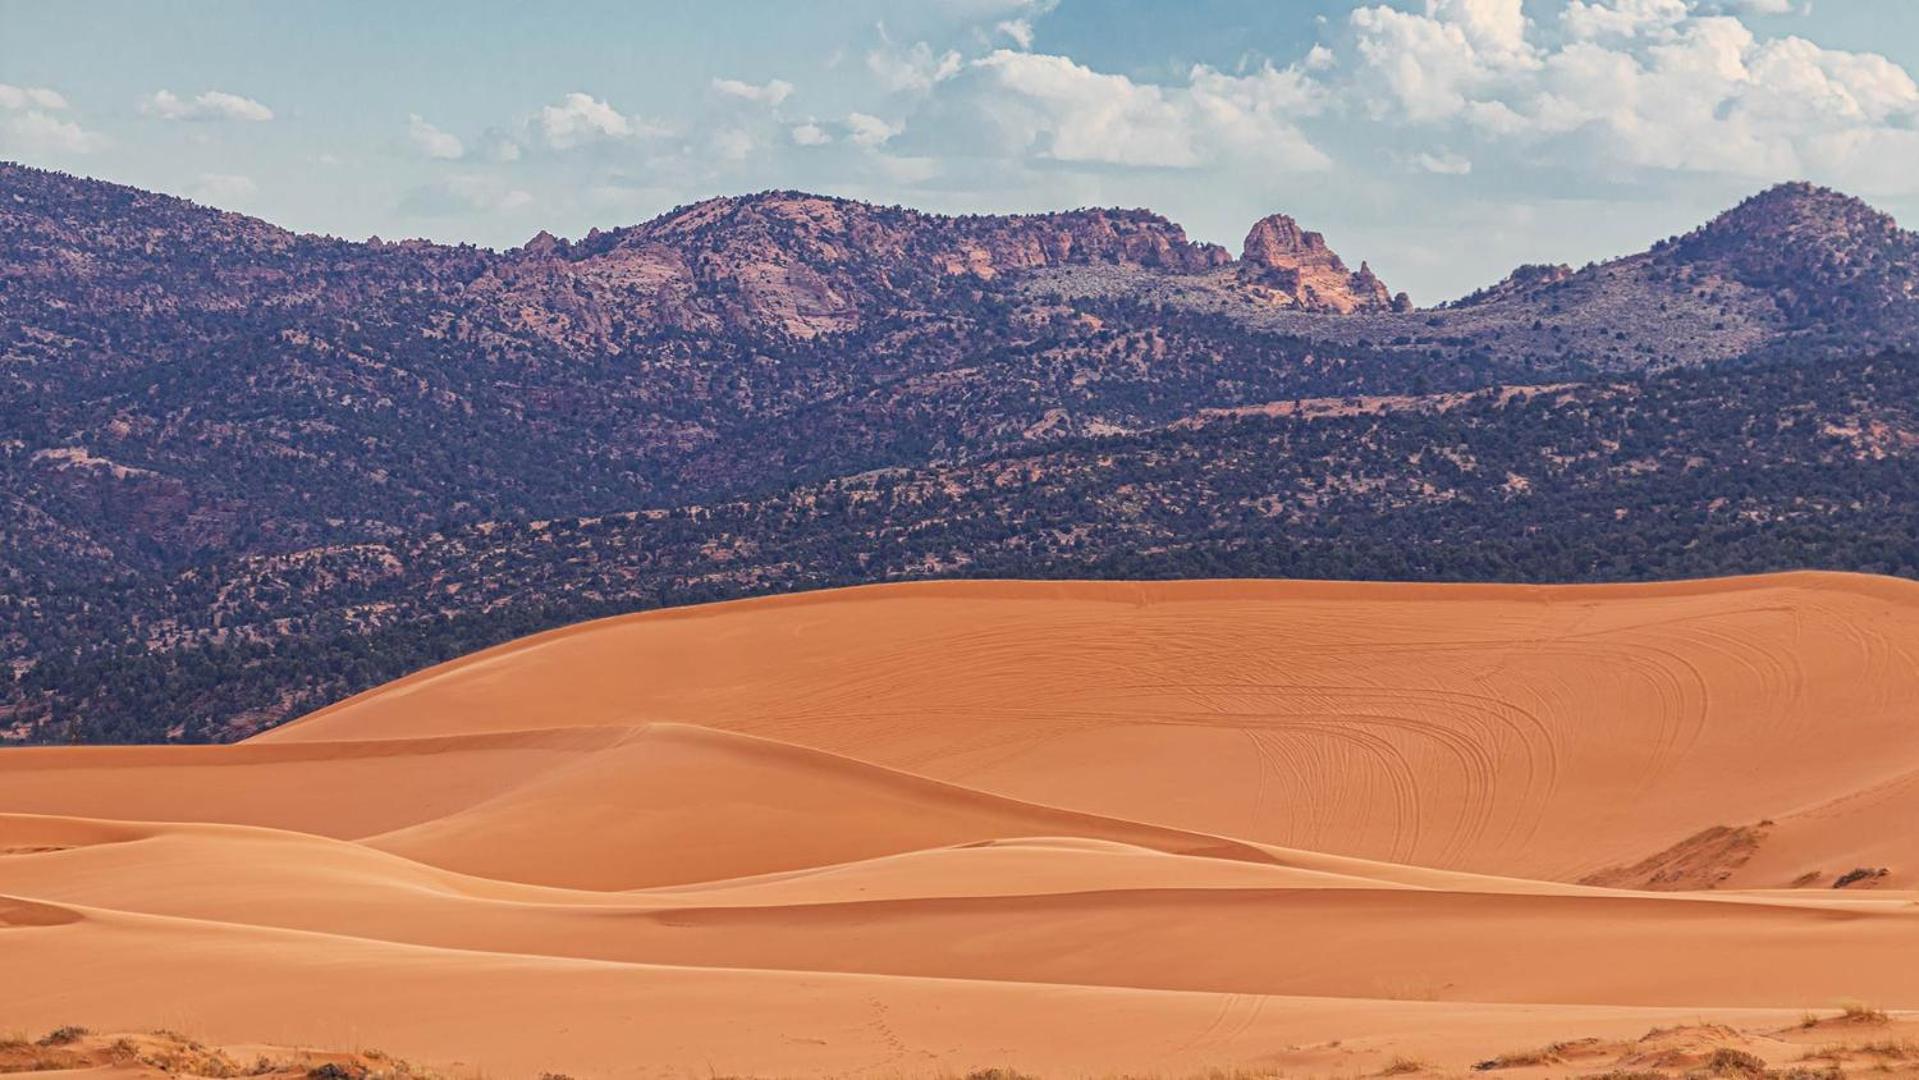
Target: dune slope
<point>1061,826</point>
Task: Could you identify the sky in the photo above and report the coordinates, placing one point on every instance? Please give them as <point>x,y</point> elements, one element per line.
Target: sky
<point>1445,141</point>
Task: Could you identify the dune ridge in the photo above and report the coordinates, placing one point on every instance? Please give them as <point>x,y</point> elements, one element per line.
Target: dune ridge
<point>1064,827</point>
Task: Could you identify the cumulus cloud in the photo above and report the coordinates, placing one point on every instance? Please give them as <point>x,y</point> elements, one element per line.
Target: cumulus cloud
<point>219,188</point>
<point>863,129</point>
<point>810,134</point>
<point>581,118</point>
<point>1020,30</point>
<point>37,132</point>
<point>1656,84</point>
<point>914,69</point>
<point>30,97</point>
<point>27,125</point>
<point>433,142</point>
<point>1056,108</point>
<point>1755,7</point>
<point>771,92</point>
<point>208,105</point>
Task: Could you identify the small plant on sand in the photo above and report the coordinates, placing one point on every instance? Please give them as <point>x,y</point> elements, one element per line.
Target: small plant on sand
<point>333,1070</point>
<point>1550,1054</point>
<point>63,1035</point>
<point>1858,874</point>
<point>1400,1066</point>
<point>1858,1012</point>
<point>1727,1061</point>
<point>1888,1049</point>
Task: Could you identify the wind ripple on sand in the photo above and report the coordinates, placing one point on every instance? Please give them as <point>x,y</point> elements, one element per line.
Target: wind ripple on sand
<point>1065,826</point>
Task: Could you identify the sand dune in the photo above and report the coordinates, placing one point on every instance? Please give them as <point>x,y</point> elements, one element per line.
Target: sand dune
<point>1066,827</point>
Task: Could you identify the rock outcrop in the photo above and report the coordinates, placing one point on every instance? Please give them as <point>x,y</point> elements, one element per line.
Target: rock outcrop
<point>1292,266</point>
<point>804,265</point>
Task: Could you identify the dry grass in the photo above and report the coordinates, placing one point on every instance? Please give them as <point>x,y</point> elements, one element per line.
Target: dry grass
<point>1858,1012</point>
<point>1400,1066</point>
<point>1727,1061</point>
<point>1884,1049</point>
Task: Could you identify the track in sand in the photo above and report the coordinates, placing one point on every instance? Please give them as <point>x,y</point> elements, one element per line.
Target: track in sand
<point>1070,828</point>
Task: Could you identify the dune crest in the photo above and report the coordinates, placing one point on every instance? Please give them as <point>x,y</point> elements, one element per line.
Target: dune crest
<point>1075,827</point>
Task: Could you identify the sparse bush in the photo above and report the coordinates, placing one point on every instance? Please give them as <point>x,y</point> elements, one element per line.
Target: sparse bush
<point>63,1035</point>
<point>1858,1012</point>
<point>1727,1061</point>
<point>1400,1066</point>
<point>1858,874</point>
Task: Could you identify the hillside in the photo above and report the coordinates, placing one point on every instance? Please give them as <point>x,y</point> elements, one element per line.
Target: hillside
<point>247,471</point>
<point>1052,828</point>
<point>1687,474</point>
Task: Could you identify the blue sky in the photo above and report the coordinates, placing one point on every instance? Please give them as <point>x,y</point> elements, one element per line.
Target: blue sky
<point>1444,140</point>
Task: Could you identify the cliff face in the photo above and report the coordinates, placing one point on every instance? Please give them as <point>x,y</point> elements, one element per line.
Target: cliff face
<point>1291,266</point>
<point>804,265</point>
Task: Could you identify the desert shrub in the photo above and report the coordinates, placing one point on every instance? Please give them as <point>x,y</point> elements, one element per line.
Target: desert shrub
<point>1858,1012</point>
<point>63,1035</point>
<point>1727,1061</point>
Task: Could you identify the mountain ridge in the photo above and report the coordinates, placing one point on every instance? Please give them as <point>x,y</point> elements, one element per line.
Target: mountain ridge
<point>358,440</point>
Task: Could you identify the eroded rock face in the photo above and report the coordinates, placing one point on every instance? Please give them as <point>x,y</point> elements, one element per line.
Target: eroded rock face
<point>804,264</point>
<point>1293,266</point>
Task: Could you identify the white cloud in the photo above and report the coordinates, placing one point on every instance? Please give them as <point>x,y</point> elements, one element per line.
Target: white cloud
<point>732,144</point>
<point>1058,109</point>
<point>580,118</point>
<point>30,97</point>
<point>38,132</point>
<point>1654,84</point>
<point>1591,19</point>
<point>433,142</point>
<point>1444,162</point>
<point>771,92</point>
<point>810,134</point>
<point>219,188</point>
<point>863,129</point>
<point>503,150</point>
<point>1755,7</point>
<point>1320,58</point>
<point>1020,30</point>
<point>209,105</point>
<point>915,69</point>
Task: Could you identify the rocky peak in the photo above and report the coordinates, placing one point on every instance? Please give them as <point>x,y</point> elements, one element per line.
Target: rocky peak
<point>1292,266</point>
<point>543,245</point>
<point>1277,242</point>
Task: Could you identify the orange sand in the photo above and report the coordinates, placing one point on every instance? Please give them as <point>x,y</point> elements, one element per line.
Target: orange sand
<point>1068,828</point>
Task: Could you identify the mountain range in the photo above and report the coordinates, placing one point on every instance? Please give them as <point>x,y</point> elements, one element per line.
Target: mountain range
<point>245,472</point>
